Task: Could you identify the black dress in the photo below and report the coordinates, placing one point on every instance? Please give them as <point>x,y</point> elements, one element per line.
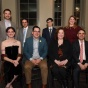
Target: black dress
<point>9,69</point>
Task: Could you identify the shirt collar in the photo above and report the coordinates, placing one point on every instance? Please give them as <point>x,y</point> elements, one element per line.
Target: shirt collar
<point>7,20</point>
<point>25,28</point>
<point>80,41</point>
<point>50,27</point>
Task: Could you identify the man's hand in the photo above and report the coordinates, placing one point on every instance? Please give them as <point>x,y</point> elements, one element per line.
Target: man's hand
<point>83,67</point>
<point>33,61</point>
<point>38,61</point>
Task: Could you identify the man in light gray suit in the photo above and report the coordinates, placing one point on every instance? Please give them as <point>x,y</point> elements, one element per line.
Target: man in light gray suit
<point>24,32</point>
<point>6,22</point>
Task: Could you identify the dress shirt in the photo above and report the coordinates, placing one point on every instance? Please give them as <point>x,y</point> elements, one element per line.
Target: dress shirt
<point>50,29</point>
<point>84,56</point>
<point>25,33</point>
<point>7,23</point>
<point>35,50</point>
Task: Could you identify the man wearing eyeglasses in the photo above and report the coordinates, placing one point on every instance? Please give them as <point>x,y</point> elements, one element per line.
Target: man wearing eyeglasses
<point>49,31</point>
<point>35,51</point>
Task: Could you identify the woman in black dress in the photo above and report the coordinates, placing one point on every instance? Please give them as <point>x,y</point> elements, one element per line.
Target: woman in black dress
<point>11,53</point>
<point>59,57</point>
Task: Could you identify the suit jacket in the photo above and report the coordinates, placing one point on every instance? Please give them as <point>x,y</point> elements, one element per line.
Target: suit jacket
<point>53,53</point>
<point>76,51</point>
<point>3,30</point>
<point>46,35</point>
<point>28,48</point>
<point>20,35</point>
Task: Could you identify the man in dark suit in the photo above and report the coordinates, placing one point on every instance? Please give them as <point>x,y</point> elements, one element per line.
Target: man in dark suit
<point>35,51</point>
<point>80,54</point>
<point>49,31</point>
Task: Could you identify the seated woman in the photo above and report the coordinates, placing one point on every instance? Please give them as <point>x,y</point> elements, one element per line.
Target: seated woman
<point>11,53</point>
<point>59,57</point>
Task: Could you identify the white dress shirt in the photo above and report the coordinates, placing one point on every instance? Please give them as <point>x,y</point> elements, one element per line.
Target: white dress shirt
<point>24,34</point>
<point>7,23</point>
<point>84,56</point>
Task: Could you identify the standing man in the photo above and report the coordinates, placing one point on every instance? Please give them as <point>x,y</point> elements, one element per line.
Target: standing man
<point>5,23</point>
<point>49,31</point>
<point>80,54</point>
<point>35,51</point>
<point>24,32</point>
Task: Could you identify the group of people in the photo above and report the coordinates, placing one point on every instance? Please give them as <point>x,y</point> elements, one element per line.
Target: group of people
<point>57,50</point>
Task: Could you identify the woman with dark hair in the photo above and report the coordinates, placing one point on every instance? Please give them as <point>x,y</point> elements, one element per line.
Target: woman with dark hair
<point>11,53</point>
<point>59,56</point>
<point>72,29</point>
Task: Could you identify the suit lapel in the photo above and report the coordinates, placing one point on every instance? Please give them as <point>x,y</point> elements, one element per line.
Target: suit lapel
<point>52,32</point>
<point>78,47</point>
<point>40,44</point>
<point>48,32</point>
<point>85,47</point>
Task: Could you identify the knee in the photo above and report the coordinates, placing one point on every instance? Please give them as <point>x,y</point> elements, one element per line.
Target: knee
<point>44,66</point>
<point>27,67</point>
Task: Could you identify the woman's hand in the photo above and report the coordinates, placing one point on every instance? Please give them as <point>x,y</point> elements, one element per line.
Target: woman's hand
<point>15,63</point>
<point>63,63</point>
<point>57,62</point>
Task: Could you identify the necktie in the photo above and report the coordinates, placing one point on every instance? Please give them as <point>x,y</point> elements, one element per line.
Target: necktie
<point>24,35</point>
<point>50,31</point>
<point>81,52</point>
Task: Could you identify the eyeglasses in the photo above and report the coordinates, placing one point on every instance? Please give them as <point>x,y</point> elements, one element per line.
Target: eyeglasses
<point>37,31</point>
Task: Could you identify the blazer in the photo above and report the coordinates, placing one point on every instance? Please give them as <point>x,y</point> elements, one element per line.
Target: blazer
<point>46,35</point>
<point>20,34</point>
<point>76,51</point>
<point>28,48</point>
<point>3,30</point>
<point>53,52</point>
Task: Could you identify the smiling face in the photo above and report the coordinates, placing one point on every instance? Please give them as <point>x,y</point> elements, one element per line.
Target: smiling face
<point>10,33</point>
<point>72,21</point>
<point>7,15</point>
<point>81,35</point>
<point>24,23</point>
<point>60,34</point>
<point>36,32</point>
<point>49,23</point>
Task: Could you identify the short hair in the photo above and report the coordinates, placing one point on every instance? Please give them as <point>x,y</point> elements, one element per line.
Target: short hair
<point>49,19</point>
<point>10,28</point>
<point>24,19</point>
<point>35,27</point>
<point>7,10</point>
<point>82,30</point>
